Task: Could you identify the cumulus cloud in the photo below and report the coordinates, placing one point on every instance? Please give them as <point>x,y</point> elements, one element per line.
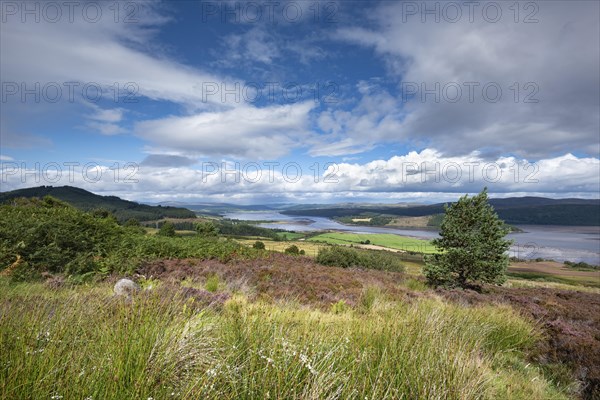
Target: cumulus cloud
<point>409,177</point>
<point>558,57</point>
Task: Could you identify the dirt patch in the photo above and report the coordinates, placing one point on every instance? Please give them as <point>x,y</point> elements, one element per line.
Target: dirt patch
<point>570,319</point>
<point>375,247</point>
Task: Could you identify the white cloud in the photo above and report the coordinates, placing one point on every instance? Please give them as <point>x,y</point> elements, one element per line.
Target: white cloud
<point>108,115</point>
<point>247,132</point>
<point>413,176</point>
<point>104,53</point>
<point>377,116</point>
<point>560,55</point>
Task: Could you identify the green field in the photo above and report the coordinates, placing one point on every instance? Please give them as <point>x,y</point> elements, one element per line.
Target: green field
<point>290,235</point>
<point>381,239</point>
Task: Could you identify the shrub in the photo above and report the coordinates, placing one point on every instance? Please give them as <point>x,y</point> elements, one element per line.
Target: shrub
<point>346,257</point>
<point>339,307</point>
<point>293,250</point>
<point>207,229</point>
<point>369,297</point>
<point>258,245</point>
<point>415,284</point>
<point>212,283</point>
<point>167,229</point>
<point>50,236</point>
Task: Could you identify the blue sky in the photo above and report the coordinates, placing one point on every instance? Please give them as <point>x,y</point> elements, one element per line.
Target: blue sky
<point>301,101</point>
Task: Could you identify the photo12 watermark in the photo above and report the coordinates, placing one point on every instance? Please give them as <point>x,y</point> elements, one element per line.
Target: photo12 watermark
<point>53,12</point>
<point>409,174</point>
<point>452,12</point>
<point>469,92</point>
<point>269,12</point>
<point>71,92</point>
<point>267,172</point>
<point>268,92</point>
<point>68,172</point>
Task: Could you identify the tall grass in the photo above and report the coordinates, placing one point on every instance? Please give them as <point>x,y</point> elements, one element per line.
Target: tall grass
<point>82,343</point>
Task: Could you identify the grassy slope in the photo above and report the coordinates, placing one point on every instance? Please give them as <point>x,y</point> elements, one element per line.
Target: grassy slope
<point>384,239</point>
<point>81,342</point>
<point>86,201</point>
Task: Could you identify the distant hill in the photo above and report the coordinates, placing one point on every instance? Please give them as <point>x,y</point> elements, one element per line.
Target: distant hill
<point>514,210</point>
<point>84,200</point>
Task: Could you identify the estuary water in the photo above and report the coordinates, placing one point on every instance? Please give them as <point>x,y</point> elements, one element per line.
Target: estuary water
<point>560,243</point>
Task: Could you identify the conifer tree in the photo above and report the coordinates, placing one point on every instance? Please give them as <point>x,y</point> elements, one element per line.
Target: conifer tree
<point>472,245</point>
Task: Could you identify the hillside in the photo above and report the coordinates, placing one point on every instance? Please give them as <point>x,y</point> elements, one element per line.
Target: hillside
<point>515,210</point>
<point>86,201</point>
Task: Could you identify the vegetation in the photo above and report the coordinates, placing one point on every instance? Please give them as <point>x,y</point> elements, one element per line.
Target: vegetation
<point>123,210</point>
<point>346,257</point>
<point>82,343</point>
<point>212,283</point>
<point>388,240</point>
<point>293,250</point>
<point>207,229</point>
<point>471,244</point>
<point>436,220</point>
<point>167,229</point>
<point>221,320</point>
<point>583,266</point>
<point>285,235</point>
<point>241,229</point>
<point>47,235</point>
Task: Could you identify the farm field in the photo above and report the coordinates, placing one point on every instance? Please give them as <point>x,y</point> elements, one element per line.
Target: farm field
<point>390,241</point>
<point>552,271</point>
<point>310,248</point>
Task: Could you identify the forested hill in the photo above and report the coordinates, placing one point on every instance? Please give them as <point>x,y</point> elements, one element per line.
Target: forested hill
<point>514,210</point>
<point>84,200</point>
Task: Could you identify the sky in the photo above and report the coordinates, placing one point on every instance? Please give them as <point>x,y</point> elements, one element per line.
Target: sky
<point>256,102</point>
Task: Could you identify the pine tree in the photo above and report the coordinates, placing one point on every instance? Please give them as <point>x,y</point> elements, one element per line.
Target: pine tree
<point>472,245</point>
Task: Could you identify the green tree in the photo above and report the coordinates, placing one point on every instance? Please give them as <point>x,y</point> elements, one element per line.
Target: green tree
<point>259,245</point>
<point>471,244</point>
<point>167,229</point>
<point>207,229</point>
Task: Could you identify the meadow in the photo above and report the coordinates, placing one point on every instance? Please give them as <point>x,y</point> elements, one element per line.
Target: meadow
<point>402,243</point>
<point>80,342</point>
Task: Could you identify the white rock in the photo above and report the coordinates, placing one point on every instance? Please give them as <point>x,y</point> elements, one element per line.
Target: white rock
<point>126,287</point>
